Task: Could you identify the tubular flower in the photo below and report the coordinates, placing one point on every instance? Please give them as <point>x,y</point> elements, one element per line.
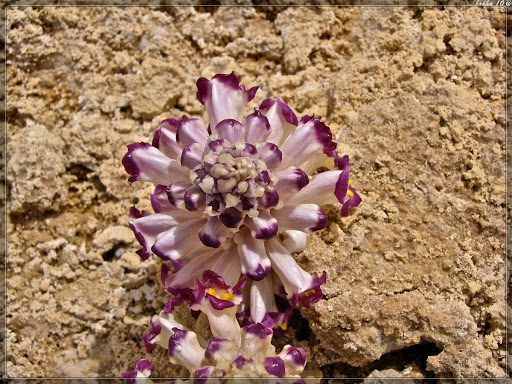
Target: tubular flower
<point>238,195</point>
<point>233,351</point>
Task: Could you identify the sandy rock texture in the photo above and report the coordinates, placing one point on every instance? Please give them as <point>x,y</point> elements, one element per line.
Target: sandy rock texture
<point>415,96</point>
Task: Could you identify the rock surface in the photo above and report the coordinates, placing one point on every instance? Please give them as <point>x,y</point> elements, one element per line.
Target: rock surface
<point>415,97</point>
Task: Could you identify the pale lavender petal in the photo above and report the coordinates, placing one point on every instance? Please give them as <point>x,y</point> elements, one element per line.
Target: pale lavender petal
<point>270,198</point>
<point>213,233</point>
<point>303,217</point>
<point>147,228</point>
<point>192,270</point>
<point>256,341</point>
<point>309,139</point>
<point>294,241</point>
<point>230,130</point>
<point>321,190</point>
<point>271,155</point>
<point>191,131</point>
<point>291,181</point>
<point>184,349</point>
<point>263,227</point>
<point>194,198</point>
<point>192,155</point>
<point>165,138</point>
<point>178,241</point>
<point>257,127</point>
<point>160,201</point>
<point>281,118</point>
<point>293,277</point>
<point>228,265</point>
<point>176,194</point>
<point>146,163</point>
<point>262,299</point>
<point>223,97</point>
<point>255,262</point>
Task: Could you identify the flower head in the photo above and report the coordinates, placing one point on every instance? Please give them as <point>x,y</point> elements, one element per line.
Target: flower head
<point>237,196</point>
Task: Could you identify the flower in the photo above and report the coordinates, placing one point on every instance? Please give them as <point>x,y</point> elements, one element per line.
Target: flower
<point>238,196</point>
<point>232,352</point>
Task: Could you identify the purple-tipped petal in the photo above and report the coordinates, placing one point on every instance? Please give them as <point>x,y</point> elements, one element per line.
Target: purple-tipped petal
<point>160,201</point>
<point>291,181</point>
<point>231,217</point>
<point>146,163</point>
<point>240,361</point>
<point>295,280</point>
<point>194,198</point>
<point>274,365</point>
<point>324,188</point>
<point>223,97</point>
<point>215,345</point>
<point>258,330</point>
<point>143,369</point>
<point>176,193</point>
<point>352,201</point>
<point>229,265</point>
<point>220,304</point>
<point>303,146</point>
<point>257,128</point>
<point>165,138</point>
<point>263,227</point>
<point>270,198</point>
<point>214,233</point>
<point>148,337</point>
<point>192,155</point>
<point>191,131</point>
<point>230,130</point>
<point>178,241</point>
<point>281,118</point>
<point>147,228</point>
<point>184,349</point>
<point>304,217</point>
<point>271,155</point>
<point>255,263</point>
<point>294,359</point>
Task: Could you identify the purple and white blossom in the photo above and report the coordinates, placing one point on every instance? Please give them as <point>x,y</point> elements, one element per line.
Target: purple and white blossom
<point>238,196</point>
<point>234,351</point>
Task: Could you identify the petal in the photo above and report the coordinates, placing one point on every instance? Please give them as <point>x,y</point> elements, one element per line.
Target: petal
<point>146,163</point>
<point>293,277</point>
<point>186,277</point>
<point>303,217</point>
<point>178,241</point>
<point>274,365</point>
<point>231,217</point>
<point>191,131</point>
<point>194,198</point>
<point>223,97</point>
<point>160,201</point>
<point>147,228</point>
<point>353,201</point>
<point>257,127</point>
<point>263,227</point>
<point>262,299</point>
<point>291,181</point>
<point>311,137</point>
<point>281,118</point>
<point>184,349</point>
<point>192,155</point>
<point>256,341</point>
<point>271,155</point>
<point>324,188</point>
<point>270,198</point>
<point>176,193</point>
<point>230,130</point>
<point>294,241</point>
<point>228,264</point>
<point>165,138</point>
<point>254,260</point>
<point>213,233</point>
<point>220,350</point>
<point>294,358</point>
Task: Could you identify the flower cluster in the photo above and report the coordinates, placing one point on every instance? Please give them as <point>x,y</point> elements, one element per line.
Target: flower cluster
<point>236,197</point>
